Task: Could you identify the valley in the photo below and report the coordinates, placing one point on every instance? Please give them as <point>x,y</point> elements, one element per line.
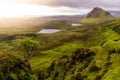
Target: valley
<point>87,50</point>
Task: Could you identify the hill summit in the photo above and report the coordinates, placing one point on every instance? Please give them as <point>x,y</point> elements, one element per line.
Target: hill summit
<point>98,13</point>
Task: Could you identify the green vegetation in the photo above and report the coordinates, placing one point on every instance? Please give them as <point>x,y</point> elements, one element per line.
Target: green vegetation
<point>88,52</point>
<point>58,24</point>
<point>29,48</point>
<point>13,68</point>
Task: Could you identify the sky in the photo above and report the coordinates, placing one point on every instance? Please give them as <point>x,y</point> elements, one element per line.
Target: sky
<point>18,8</point>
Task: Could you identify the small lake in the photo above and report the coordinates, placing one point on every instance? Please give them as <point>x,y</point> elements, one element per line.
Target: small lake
<point>76,24</point>
<point>47,31</point>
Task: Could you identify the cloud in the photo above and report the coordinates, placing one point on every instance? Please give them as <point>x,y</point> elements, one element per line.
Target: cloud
<point>109,4</point>
<point>84,4</point>
<point>54,7</point>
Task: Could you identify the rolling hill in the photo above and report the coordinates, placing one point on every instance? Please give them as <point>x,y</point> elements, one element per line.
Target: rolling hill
<point>87,52</point>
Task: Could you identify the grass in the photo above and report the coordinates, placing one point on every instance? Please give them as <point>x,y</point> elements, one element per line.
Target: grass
<point>58,24</point>
<point>94,20</point>
<point>103,39</point>
<point>100,40</point>
<point>43,61</point>
<point>89,20</point>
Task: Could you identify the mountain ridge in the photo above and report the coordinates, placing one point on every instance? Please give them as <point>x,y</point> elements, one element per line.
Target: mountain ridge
<point>98,13</point>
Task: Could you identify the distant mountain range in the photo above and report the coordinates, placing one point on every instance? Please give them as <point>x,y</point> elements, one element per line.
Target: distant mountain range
<point>31,22</point>
<point>37,20</point>
<point>115,13</point>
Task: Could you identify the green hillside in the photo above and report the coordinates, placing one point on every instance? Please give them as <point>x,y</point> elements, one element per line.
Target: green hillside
<point>94,57</point>
<point>13,68</point>
<point>87,52</point>
<point>57,24</point>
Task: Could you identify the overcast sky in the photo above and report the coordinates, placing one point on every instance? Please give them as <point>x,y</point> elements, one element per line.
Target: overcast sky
<point>61,6</point>
<point>114,4</point>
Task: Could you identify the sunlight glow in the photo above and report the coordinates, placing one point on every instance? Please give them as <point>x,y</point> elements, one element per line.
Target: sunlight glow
<point>21,10</point>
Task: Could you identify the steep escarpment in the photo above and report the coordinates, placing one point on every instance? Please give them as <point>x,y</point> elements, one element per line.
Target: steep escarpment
<point>98,13</point>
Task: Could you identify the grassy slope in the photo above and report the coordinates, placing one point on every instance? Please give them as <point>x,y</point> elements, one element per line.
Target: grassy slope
<point>46,58</point>
<point>90,21</point>
<point>102,38</point>
<point>58,24</point>
<point>23,28</point>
